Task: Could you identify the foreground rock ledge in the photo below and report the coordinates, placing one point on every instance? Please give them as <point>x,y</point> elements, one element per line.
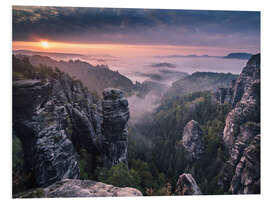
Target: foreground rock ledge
<point>80,188</point>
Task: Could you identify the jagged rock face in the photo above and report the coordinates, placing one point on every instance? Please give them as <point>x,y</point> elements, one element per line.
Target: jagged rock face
<point>193,140</point>
<point>247,133</point>
<point>115,118</point>
<point>40,124</point>
<point>186,185</point>
<point>54,119</point>
<point>241,129</point>
<point>81,188</point>
<point>246,179</point>
<point>248,107</point>
<point>250,73</point>
<point>224,95</point>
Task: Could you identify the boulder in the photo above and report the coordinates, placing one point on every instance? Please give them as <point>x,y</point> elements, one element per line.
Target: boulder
<point>186,185</point>
<point>193,140</point>
<point>80,188</point>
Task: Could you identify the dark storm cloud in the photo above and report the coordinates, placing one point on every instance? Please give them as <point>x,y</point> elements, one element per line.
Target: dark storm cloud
<point>136,26</point>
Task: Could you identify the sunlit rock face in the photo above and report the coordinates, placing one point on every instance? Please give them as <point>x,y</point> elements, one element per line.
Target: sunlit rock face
<point>242,129</point>
<point>193,140</point>
<point>80,188</point>
<point>186,185</point>
<point>56,118</point>
<point>115,130</point>
<point>247,108</point>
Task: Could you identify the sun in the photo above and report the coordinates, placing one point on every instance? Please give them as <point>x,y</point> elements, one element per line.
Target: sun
<point>44,44</point>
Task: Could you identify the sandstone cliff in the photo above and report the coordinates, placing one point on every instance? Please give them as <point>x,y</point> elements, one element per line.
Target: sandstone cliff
<point>242,129</point>
<point>57,117</point>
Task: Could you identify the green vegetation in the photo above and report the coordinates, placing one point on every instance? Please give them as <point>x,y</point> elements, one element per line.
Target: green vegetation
<point>21,179</point>
<point>138,176</point>
<point>156,156</point>
<point>23,69</point>
<point>17,154</point>
<point>200,81</point>
<point>157,141</point>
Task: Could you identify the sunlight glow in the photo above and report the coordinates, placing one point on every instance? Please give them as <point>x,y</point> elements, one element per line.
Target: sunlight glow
<point>44,44</point>
<point>117,49</point>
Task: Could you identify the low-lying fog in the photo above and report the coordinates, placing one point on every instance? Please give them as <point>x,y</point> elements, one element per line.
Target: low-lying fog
<point>164,70</point>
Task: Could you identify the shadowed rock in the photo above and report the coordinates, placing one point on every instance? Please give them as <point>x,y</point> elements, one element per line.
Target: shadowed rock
<point>39,122</point>
<point>56,118</point>
<point>193,140</point>
<point>115,131</point>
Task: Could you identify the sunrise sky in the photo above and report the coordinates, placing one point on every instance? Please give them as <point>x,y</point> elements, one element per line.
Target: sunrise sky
<point>135,31</point>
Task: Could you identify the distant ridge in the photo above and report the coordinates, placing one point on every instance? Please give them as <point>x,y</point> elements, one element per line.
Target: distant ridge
<point>52,54</point>
<point>234,55</point>
<point>238,55</point>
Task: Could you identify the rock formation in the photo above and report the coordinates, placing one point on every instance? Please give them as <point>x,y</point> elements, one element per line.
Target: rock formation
<point>80,188</point>
<point>246,109</point>
<point>40,123</point>
<point>193,140</point>
<point>186,185</point>
<point>115,131</point>
<point>224,95</point>
<point>242,129</point>
<point>57,117</point>
<point>246,179</point>
<point>248,75</point>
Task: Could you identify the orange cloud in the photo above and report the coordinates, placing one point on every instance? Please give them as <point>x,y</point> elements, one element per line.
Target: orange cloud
<point>116,49</point>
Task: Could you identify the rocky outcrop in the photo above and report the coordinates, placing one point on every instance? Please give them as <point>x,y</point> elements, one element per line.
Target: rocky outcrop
<point>224,95</point>
<point>246,135</point>
<point>193,140</point>
<point>246,179</point>
<point>241,131</point>
<point>40,123</point>
<point>247,87</point>
<point>186,185</point>
<point>57,117</point>
<point>80,188</point>
<point>115,118</point>
<point>249,74</point>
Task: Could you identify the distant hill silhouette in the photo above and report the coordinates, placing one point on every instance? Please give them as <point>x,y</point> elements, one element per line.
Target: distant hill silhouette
<point>238,56</point>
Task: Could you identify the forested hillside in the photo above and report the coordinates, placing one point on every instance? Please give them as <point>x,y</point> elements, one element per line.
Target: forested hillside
<point>96,78</point>
<point>200,81</point>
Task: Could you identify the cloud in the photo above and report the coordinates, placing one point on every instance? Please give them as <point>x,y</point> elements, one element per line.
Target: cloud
<point>137,26</point>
